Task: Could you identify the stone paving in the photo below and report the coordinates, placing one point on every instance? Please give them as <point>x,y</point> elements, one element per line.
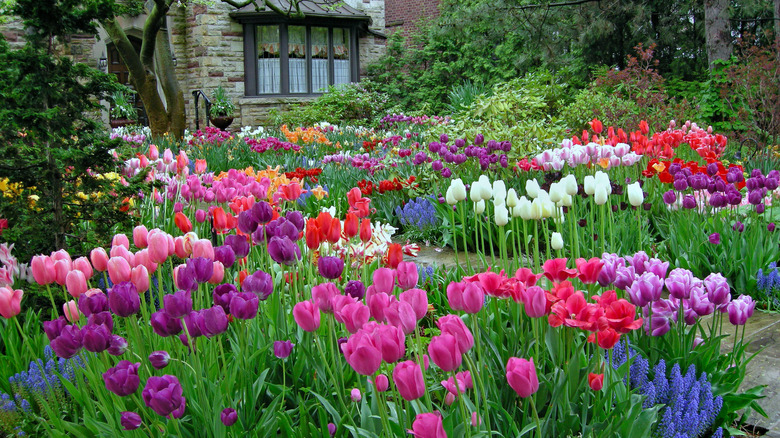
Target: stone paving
<point>762,331</point>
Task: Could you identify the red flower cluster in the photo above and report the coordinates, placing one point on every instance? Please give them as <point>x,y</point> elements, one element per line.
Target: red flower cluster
<point>661,168</point>
<point>367,187</point>
<point>369,146</point>
<point>302,174</point>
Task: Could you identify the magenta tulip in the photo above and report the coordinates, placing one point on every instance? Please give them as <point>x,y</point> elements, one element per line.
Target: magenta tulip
<point>428,426</point>
<point>521,375</point>
<point>454,325</point>
<point>408,378</point>
<point>406,275</point>
<point>362,353</point>
<point>418,299</point>
<point>307,315</point>
<point>444,352</point>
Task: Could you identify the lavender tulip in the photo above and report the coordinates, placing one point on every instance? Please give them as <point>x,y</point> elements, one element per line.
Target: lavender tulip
<point>680,283</point>
<point>741,309</point>
<point>718,290</point>
<point>646,289</point>
<point>625,277</point>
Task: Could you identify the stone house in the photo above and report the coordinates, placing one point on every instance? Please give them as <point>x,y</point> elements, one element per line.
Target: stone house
<point>262,59</point>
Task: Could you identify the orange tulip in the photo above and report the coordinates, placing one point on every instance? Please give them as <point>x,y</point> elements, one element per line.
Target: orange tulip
<point>182,222</point>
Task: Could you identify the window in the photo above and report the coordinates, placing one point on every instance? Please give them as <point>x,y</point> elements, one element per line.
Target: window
<point>298,59</point>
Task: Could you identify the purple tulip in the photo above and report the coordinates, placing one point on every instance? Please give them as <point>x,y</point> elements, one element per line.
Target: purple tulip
<point>259,283</point>
<point>661,321</point>
<point>159,359</point>
<point>741,309</point>
<point>755,197</point>
<point>225,255</point>
<point>262,212</point>
<point>669,197</point>
<point>738,227</point>
<point>191,324</point>
<point>118,345</point>
<point>657,267</point>
<point>222,295</point>
<point>94,303</point>
<point>718,290</point>
<point>68,341</point>
<point>123,299</point>
<point>102,318</point>
<point>355,289</point>
<point>646,289</point>
<point>714,238</point>
<point>185,277</point>
<point>330,267</point>
<point>212,321</point>
<point>608,272</point>
<point>54,327</point>
<point>680,184</point>
<point>770,183</point>
<point>770,227</point>
<point>625,277</point>
<point>282,349</point>
<point>689,202</point>
<point>240,245</point>
<point>717,200</point>
<point>244,305</point>
<point>638,262</point>
<point>295,217</point>
<point>122,379</point>
<point>96,338</point>
<point>201,267</point>
<point>680,283</point>
<point>178,304</point>
<point>712,169</point>
<point>228,417</point>
<point>247,222</point>
<point>164,396</point>
<point>284,251</point>
<point>285,228</point>
<point>760,208</point>
<point>699,302</point>
<point>130,421</point>
<point>164,325</point>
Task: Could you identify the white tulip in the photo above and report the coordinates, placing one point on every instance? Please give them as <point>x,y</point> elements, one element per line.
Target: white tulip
<point>548,208</point>
<point>525,208</point>
<point>479,207</point>
<point>485,188</point>
<point>499,190</point>
<point>476,192</point>
<point>458,189</point>
<point>511,198</point>
<point>501,215</point>
<point>589,184</point>
<point>570,184</point>
<point>483,179</point>
<point>557,191</point>
<point>532,188</point>
<point>603,179</point>
<point>517,211</point>
<point>556,241</point>
<point>600,195</point>
<point>567,200</point>
<point>450,197</point>
<point>635,195</point>
<point>536,209</point>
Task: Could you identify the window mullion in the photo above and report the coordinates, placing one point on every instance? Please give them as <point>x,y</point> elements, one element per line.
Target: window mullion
<point>331,74</point>
<point>284,60</point>
<point>310,88</point>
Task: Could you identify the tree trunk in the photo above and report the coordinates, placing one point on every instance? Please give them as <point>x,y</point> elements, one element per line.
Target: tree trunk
<point>174,98</point>
<point>717,30</point>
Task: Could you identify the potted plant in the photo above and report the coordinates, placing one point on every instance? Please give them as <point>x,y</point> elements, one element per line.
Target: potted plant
<point>222,109</point>
<point>122,111</point>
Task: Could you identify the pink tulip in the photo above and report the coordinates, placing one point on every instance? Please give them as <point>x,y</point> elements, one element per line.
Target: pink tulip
<point>121,251</point>
<point>142,258</point>
<point>62,255</point>
<point>218,273</point>
<point>521,375</point>
<point>381,383</point>
<point>307,316</point>
<point>10,302</point>
<point>408,378</point>
<point>61,270</point>
<point>354,316</point>
<point>444,352</point>
<point>418,299</point>
<point>534,301</point>
<point>76,283</point>
<point>401,314</point>
<point>406,275</point>
<point>83,265</point>
<point>392,342</point>
<point>339,302</point>
<point>118,270</point>
<point>154,153</point>
<point>167,156</point>
<point>200,216</point>
<point>383,280</point>
<point>99,259</point>
<point>453,325</point>
<point>71,311</point>
<point>139,276</point>
<point>322,294</point>
<point>362,353</point>
<point>43,269</point>
<point>428,426</point>
<point>158,247</point>
<point>203,248</point>
<point>172,246</point>
<point>140,237</point>
<point>377,303</point>
<point>120,240</point>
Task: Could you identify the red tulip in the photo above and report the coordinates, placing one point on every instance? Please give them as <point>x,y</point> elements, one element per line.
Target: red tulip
<point>521,376</point>
<point>220,219</point>
<point>555,270</point>
<point>589,270</point>
<point>334,232</point>
<point>596,381</point>
<point>312,234</point>
<point>183,222</point>
<point>621,316</point>
<point>607,338</point>
<point>596,126</point>
<point>365,230</point>
<point>351,225</point>
<point>395,255</point>
<point>324,221</point>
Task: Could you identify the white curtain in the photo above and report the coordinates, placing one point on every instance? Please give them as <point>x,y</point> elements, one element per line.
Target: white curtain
<point>268,76</point>
<point>298,76</point>
<point>341,71</point>
<point>319,75</point>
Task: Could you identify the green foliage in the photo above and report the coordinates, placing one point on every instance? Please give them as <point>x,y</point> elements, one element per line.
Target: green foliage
<point>358,104</point>
<point>221,105</point>
<point>463,95</point>
<point>122,109</point>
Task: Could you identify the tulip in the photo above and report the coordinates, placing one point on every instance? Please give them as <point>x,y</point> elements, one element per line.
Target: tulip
<point>408,378</point>
<point>118,270</point>
<point>355,289</point>
<point>120,240</point>
<point>362,353</point>
<point>202,248</point>
<point>164,325</point>
<point>225,255</point>
<point>244,305</point>
<point>139,276</point>
<point>61,270</point>
<point>159,359</point>
<point>82,264</point>
<point>418,300</point>
<point>718,290</point>
<point>365,230</point>
<point>330,267</point>
<point>444,352</point>
<point>521,376</point>
<point>383,280</point>
<point>218,273</point>
<point>164,396</point>
<point>589,269</point>
<point>10,302</point>
<point>182,222</point>
<point>479,207</point>
<point>211,321</point>
<point>68,340</point>
<point>282,349</point>
<point>123,299</point>
<point>635,195</point>
<point>428,426</point>
<point>534,301</point>
<point>322,294</point>
<point>71,311</point>
<point>158,248</point>
<point>130,421</point>
<point>118,345</point>
<point>228,417</point>
<point>140,235</point>
<point>93,301</point>
<point>454,325</point>
<point>556,241</point>
<point>401,315</point>
<point>43,269</point>
<point>501,215</point>
<point>407,275</point>
<point>259,283</point>
<point>122,379</point>
<point>307,315</point>
<point>458,189</point>
<point>714,238</point>
<point>177,305</point>
<point>596,381</point>
<point>201,268</point>
<point>532,188</point>
<point>239,244</point>
<point>355,395</point>
<point>283,250</point>
<point>354,316</point>
<point>740,309</point>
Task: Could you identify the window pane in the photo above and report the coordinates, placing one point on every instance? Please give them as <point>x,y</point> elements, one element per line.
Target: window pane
<point>319,59</point>
<point>341,56</point>
<point>268,55</point>
<point>296,46</point>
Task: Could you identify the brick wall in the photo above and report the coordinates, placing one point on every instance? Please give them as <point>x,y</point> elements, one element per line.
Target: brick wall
<point>405,15</point>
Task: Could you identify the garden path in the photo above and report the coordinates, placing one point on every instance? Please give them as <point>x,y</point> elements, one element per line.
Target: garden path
<point>762,331</point>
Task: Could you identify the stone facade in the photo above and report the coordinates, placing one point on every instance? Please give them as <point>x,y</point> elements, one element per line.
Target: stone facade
<point>209,49</point>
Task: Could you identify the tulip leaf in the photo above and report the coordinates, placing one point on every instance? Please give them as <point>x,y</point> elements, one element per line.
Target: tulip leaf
<point>329,407</point>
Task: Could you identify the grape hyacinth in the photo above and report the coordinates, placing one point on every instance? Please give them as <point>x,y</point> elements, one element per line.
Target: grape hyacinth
<point>418,213</point>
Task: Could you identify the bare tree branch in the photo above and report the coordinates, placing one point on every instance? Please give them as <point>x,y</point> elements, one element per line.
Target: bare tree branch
<point>552,5</point>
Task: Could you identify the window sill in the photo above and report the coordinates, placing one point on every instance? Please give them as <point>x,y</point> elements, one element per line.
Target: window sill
<point>277,98</point>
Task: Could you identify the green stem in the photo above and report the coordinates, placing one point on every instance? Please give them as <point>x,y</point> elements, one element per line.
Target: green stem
<point>465,246</point>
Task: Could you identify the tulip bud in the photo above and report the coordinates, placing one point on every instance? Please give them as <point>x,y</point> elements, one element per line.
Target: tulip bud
<point>532,188</point>
<point>635,195</point>
<point>556,241</point>
<point>479,207</point>
<point>501,215</point>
